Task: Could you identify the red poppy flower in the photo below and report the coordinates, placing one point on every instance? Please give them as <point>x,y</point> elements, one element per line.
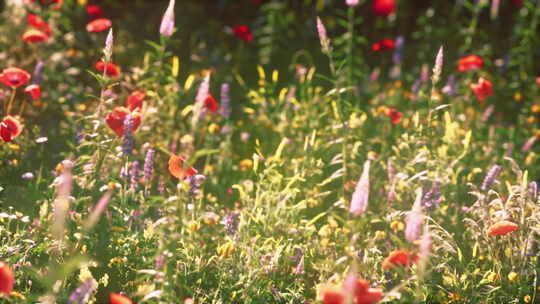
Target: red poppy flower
<point>94,11</point>
<point>98,25</point>
<point>482,88</point>
<point>243,32</point>
<point>400,257</point>
<point>36,21</point>
<point>384,45</point>
<point>7,279</point>
<point>135,100</point>
<point>384,8</point>
<point>34,36</point>
<point>112,69</point>
<point>10,128</point>
<point>211,104</point>
<point>14,77</point>
<point>395,115</point>
<point>361,293</point>
<point>115,298</point>
<point>502,228</point>
<point>470,63</point>
<point>34,91</point>
<point>115,120</point>
<point>179,168</point>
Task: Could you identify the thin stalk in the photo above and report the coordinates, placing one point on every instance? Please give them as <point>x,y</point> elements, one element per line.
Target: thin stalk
<point>11,100</point>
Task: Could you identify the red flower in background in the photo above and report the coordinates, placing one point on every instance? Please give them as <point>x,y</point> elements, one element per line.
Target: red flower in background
<point>384,45</point>
<point>179,168</point>
<point>10,128</point>
<point>7,279</point>
<point>112,69</point>
<point>34,91</point>
<point>470,63</point>
<point>395,115</point>
<point>36,21</point>
<point>115,120</point>
<point>115,298</point>
<point>211,104</point>
<point>34,36</point>
<point>482,88</point>
<point>502,228</point>
<point>14,77</point>
<point>361,294</point>
<point>384,8</point>
<point>94,11</point>
<point>135,100</point>
<point>98,25</point>
<point>243,32</point>
<point>400,257</point>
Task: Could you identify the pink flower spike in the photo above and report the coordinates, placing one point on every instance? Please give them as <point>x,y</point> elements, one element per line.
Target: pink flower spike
<point>167,23</point>
<point>415,218</point>
<point>359,201</point>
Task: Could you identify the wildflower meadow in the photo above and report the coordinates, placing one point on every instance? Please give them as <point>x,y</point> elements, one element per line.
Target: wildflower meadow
<point>269,151</point>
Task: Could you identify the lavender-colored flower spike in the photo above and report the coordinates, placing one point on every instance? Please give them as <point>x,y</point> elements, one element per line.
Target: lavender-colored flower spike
<point>127,144</point>
<point>533,190</point>
<point>107,51</point>
<point>225,107</point>
<point>167,23</point>
<point>83,292</point>
<point>37,75</point>
<point>359,202</point>
<point>204,89</point>
<point>415,218</point>
<point>432,198</point>
<point>148,165</point>
<point>450,86</point>
<point>490,177</point>
<point>325,42</point>
<point>397,57</point>
<point>134,175</point>
<point>425,245</point>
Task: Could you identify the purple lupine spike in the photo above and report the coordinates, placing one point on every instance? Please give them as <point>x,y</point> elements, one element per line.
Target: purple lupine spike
<point>127,143</point>
<point>225,106</point>
<point>83,292</point>
<point>450,86</point>
<point>490,178</point>
<point>134,175</point>
<point>415,218</point>
<point>325,42</point>
<point>148,165</point>
<point>359,201</point>
<point>533,190</point>
<point>397,57</point>
<point>37,75</point>
<point>432,198</point>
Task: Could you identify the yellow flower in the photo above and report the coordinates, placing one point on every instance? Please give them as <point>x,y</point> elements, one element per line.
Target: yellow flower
<point>535,108</point>
<point>213,128</point>
<point>527,299</point>
<point>512,276</point>
<point>397,226</point>
<point>194,226</point>
<point>380,235</point>
<point>246,164</point>
<point>225,250</point>
<point>518,96</point>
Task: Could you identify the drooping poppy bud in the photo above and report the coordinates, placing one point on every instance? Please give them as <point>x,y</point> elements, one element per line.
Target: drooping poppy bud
<point>94,11</point>
<point>34,91</point>
<point>470,63</point>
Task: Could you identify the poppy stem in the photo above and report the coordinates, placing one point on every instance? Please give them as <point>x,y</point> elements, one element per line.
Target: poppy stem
<point>11,100</point>
<point>23,105</point>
